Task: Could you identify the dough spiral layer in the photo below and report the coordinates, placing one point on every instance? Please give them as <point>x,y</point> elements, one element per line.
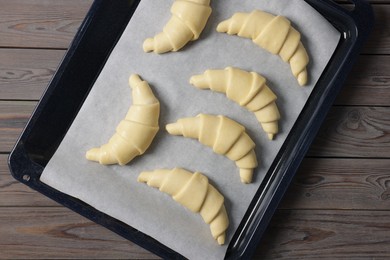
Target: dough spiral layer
<point>136,132</point>
<point>194,192</point>
<point>248,89</point>
<point>225,136</point>
<point>273,33</point>
<point>189,17</point>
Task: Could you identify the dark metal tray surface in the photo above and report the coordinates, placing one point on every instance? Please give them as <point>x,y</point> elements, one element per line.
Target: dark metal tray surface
<point>84,60</point>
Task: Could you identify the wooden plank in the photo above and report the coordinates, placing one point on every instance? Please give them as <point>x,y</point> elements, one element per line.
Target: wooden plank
<point>40,24</point>
<point>53,24</point>
<point>368,83</point>
<point>358,184</point>
<point>347,131</point>
<point>13,118</point>
<point>327,234</point>
<point>15,194</point>
<point>60,233</point>
<point>25,73</point>
<point>354,132</point>
<point>319,184</point>
<point>297,234</point>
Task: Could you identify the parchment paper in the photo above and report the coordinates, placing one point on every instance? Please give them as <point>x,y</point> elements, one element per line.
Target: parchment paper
<point>115,190</point>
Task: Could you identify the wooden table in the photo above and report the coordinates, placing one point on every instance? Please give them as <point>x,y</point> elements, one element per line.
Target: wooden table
<point>337,207</point>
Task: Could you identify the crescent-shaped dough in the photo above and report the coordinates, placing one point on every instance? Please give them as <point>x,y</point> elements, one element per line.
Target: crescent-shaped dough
<point>189,17</point>
<point>248,89</point>
<point>135,133</point>
<point>273,33</point>
<point>194,192</point>
<point>225,136</point>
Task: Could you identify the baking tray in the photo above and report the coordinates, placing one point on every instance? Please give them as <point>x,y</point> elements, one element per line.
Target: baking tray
<point>84,60</point>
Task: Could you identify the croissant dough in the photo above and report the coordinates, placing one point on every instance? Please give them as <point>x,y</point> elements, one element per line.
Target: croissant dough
<point>248,89</point>
<point>194,192</point>
<point>225,136</point>
<point>135,133</point>
<point>189,17</point>
<point>273,33</point>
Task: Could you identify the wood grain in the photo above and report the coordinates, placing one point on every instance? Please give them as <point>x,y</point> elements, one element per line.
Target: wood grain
<point>323,234</point>
<point>347,131</point>
<point>25,73</point>
<point>40,23</point>
<point>15,194</point>
<point>320,183</point>
<point>52,24</point>
<point>293,234</point>
<point>60,233</point>
<point>13,118</point>
<point>354,132</point>
<point>334,183</point>
<point>368,83</point>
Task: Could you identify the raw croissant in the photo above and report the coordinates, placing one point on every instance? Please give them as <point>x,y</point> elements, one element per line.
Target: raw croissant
<point>135,133</point>
<point>273,33</point>
<point>189,17</point>
<point>224,135</point>
<point>248,89</point>
<point>194,192</point>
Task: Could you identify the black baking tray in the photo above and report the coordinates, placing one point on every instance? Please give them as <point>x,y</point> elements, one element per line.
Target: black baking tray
<point>82,64</point>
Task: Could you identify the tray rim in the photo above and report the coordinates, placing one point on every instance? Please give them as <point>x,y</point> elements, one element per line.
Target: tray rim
<point>354,25</point>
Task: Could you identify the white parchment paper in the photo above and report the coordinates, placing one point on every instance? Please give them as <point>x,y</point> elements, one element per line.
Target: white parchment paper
<point>115,190</point>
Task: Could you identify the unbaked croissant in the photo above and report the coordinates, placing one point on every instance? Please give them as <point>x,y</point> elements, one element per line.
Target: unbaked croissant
<point>194,192</point>
<point>135,133</point>
<point>225,136</point>
<point>248,89</point>
<point>273,33</point>
<point>189,17</point>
